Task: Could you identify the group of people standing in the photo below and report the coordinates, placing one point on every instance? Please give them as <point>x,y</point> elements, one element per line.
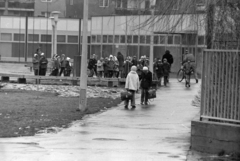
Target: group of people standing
<point>59,64</point>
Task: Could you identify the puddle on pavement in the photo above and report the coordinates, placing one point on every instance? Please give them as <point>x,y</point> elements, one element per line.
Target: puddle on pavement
<point>84,132</point>
<point>31,143</point>
<point>108,139</point>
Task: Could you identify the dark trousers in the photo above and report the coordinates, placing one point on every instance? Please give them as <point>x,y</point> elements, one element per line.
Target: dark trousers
<point>110,73</point>
<point>165,80</point>
<point>61,71</point>
<point>43,71</point>
<point>144,96</point>
<point>36,72</point>
<point>54,72</point>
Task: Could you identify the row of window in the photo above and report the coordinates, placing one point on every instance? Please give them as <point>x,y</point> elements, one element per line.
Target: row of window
<point>35,38</point>
<point>146,4</point>
<point>158,39</point>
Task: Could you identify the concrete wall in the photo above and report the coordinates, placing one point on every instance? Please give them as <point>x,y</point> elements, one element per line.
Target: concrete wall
<point>211,137</point>
<point>55,5</point>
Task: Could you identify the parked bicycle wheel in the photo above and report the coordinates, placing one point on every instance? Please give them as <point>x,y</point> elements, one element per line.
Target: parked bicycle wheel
<point>180,75</point>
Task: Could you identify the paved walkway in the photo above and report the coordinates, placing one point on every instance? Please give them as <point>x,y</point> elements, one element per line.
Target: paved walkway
<point>159,132</point>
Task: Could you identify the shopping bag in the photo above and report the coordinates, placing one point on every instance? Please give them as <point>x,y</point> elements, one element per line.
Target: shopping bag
<point>126,95</point>
<point>152,94</point>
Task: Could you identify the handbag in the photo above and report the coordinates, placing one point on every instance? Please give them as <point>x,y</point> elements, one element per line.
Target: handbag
<point>126,95</point>
<point>152,94</point>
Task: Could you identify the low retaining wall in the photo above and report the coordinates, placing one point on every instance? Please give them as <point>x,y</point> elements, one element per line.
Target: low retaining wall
<point>215,138</point>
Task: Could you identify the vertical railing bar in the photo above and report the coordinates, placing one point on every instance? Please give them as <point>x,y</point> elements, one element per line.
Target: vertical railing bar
<point>225,83</point>
<point>229,86</point>
<point>208,83</point>
<point>213,83</point>
<point>238,85</point>
<point>233,64</point>
<point>222,84</point>
<point>203,90</point>
<point>218,83</point>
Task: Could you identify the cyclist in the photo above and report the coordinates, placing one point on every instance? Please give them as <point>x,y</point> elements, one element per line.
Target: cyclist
<point>189,58</point>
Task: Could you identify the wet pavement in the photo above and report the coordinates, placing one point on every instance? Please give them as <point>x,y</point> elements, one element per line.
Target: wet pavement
<point>158,132</point>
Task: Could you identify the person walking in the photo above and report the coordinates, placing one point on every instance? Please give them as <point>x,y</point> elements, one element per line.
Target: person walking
<point>158,68</point>
<point>63,64</point>
<point>132,85</point>
<point>169,58</point>
<point>100,68</point>
<point>146,82</point>
<point>166,71</point>
<point>43,65</point>
<point>35,62</point>
<point>189,57</point>
<point>55,65</point>
<point>120,58</point>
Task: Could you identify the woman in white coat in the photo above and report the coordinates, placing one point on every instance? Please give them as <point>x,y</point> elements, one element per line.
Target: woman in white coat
<point>132,85</point>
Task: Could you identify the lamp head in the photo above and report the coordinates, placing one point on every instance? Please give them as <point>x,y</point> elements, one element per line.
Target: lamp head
<point>55,14</point>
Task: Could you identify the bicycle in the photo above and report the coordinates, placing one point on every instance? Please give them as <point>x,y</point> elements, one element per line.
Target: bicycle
<point>185,74</point>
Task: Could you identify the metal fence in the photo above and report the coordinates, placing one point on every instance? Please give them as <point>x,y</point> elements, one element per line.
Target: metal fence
<point>220,98</point>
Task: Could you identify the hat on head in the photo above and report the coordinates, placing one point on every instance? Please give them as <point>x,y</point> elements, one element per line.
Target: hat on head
<point>35,55</point>
<point>145,68</point>
<point>68,58</point>
<point>134,68</point>
<point>42,54</point>
<point>110,56</point>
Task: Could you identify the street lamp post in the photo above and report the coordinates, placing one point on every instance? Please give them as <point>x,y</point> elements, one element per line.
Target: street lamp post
<point>152,41</point>
<point>83,80</point>
<point>54,20</point>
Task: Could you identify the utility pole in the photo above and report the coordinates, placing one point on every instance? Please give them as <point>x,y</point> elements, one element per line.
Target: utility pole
<point>83,80</point>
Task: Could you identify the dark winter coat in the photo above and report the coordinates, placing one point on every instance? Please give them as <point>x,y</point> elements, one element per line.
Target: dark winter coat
<point>120,58</point>
<point>43,63</point>
<point>111,65</point>
<point>169,57</point>
<point>92,64</point>
<point>134,62</point>
<point>166,69</point>
<point>127,67</point>
<point>146,80</point>
<point>158,68</point>
<point>35,63</point>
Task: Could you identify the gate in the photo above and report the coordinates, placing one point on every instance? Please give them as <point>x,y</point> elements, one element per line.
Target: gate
<point>220,96</point>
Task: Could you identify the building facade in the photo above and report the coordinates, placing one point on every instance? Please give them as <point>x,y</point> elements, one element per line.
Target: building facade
<point>43,8</point>
<point>134,7</point>
<point>17,8</point>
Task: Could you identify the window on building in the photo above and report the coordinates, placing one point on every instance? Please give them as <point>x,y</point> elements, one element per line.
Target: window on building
<point>135,39</point>
<point>142,39</point>
<point>156,39</point>
<point>170,39</point>
<point>33,37</point>
<point>18,37</point>
<point>119,3</point>
<point>162,39</point>
<point>72,39</point>
<point>147,4</point>
<point>46,0</point>
<point>103,3</point>
<point>117,39</point>
<point>94,38</point>
<point>6,36</point>
<point>129,39</point>
<point>71,2</point>
<point>148,39</point>
<point>123,39</point>
<point>201,40</point>
<point>61,38</point>
<point>99,38</point>
<point>46,38</point>
<point>177,40</point>
<point>105,38</point>
<point>110,39</point>
<point>46,14</point>
<point>175,4</point>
